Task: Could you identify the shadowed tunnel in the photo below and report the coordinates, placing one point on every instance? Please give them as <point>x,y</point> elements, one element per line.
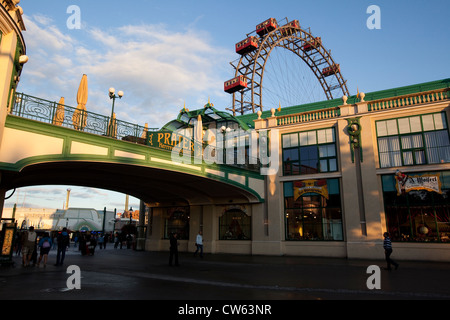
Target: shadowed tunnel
<point>147,184</point>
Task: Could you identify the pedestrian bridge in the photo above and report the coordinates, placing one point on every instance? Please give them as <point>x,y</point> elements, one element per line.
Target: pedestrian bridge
<point>41,147</point>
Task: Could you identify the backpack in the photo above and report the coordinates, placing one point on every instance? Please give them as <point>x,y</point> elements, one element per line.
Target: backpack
<point>46,244</point>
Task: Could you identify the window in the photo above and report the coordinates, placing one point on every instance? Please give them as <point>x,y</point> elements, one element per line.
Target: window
<point>234,224</point>
<point>418,215</point>
<point>177,221</point>
<point>313,215</point>
<point>309,152</point>
<point>413,140</point>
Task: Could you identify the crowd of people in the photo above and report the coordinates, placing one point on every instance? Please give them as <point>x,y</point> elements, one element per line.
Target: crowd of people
<point>35,247</point>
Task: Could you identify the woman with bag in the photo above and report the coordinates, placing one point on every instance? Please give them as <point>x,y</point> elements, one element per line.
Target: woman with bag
<point>45,244</point>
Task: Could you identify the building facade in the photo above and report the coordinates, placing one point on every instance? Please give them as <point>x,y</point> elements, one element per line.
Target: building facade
<point>12,59</point>
<point>349,170</point>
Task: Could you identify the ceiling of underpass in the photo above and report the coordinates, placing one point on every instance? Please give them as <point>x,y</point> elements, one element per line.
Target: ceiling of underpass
<point>148,184</point>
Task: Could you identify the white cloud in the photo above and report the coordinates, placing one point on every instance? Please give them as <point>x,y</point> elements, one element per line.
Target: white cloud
<point>156,68</point>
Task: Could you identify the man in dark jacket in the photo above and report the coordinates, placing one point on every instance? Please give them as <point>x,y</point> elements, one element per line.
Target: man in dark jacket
<point>63,241</point>
<point>173,249</point>
<point>387,245</point>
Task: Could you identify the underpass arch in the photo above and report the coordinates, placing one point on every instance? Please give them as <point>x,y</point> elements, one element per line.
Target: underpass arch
<point>151,185</point>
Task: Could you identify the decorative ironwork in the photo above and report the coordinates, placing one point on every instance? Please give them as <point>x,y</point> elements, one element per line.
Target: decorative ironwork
<point>354,131</point>
<point>30,107</point>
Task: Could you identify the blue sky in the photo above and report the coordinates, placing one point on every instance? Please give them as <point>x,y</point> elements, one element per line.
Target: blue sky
<point>163,54</point>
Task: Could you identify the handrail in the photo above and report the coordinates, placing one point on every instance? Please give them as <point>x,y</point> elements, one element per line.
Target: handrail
<point>372,106</point>
<point>30,107</point>
<point>409,100</point>
<point>309,116</point>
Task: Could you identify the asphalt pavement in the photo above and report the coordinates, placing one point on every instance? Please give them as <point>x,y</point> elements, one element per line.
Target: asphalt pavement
<point>125,274</point>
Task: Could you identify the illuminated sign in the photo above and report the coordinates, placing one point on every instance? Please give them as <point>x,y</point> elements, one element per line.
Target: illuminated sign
<point>167,140</point>
<point>8,239</point>
<point>428,182</point>
<point>310,186</point>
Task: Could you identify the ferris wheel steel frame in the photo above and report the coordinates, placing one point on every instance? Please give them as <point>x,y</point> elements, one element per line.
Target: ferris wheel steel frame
<point>252,66</point>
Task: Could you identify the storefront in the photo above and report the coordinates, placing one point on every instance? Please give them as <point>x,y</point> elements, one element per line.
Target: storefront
<point>313,210</point>
<point>417,206</point>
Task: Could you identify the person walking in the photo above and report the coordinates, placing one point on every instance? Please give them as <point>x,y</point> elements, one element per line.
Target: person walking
<point>63,242</point>
<point>29,245</point>
<point>101,241</point>
<point>199,244</point>
<point>173,249</point>
<point>116,240</point>
<point>105,240</point>
<point>45,244</point>
<point>387,245</point>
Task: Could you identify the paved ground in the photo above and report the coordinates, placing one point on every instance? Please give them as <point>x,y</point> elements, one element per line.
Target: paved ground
<point>131,275</point>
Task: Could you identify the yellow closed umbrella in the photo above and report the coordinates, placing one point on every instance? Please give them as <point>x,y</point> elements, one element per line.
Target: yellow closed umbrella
<point>144,132</point>
<point>58,119</point>
<point>79,118</point>
<point>113,126</point>
<point>198,138</point>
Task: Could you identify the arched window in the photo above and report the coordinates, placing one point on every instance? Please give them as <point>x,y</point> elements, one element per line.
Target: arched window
<point>177,221</point>
<point>234,224</point>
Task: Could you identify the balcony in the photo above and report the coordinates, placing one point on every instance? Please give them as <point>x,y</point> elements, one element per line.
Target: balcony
<point>42,110</point>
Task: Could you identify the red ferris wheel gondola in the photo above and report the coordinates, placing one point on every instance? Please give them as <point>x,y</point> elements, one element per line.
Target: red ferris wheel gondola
<point>235,84</point>
<point>247,45</point>
<point>317,41</point>
<point>333,69</point>
<point>266,26</point>
<point>294,24</point>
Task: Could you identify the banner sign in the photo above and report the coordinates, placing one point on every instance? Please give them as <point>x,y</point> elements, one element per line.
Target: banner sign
<point>310,186</point>
<point>7,241</point>
<point>167,140</point>
<point>428,182</point>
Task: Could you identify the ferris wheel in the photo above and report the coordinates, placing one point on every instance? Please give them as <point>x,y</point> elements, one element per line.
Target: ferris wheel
<point>293,64</point>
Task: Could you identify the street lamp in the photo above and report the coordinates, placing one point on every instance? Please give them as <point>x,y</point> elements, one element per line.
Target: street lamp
<point>113,96</point>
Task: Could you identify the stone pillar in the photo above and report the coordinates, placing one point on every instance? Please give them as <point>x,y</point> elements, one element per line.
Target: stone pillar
<point>361,198</point>
<point>140,240</point>
<point>349,191</point>
<point>210,228</point>
<point>7,53</point>
<point>195,225</point>
<point>153,241</point>
<point>2,200</point>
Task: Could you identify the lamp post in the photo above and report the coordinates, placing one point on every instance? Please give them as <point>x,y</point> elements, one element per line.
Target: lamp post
<point>113,96</point>
<point>224,144</point>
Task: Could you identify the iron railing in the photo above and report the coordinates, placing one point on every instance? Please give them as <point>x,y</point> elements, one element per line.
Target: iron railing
<point>30,107</point>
